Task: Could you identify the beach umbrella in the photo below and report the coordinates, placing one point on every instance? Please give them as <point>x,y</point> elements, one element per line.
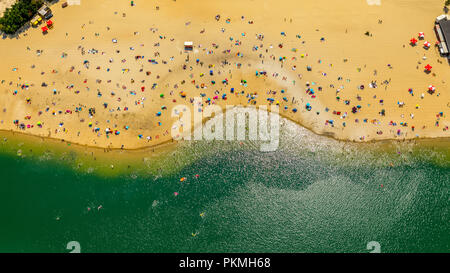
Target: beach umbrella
<point>421,35</point>
<point>413,41</point>
<point>308,107</point>
<point>428,67</point>
<point>427,44</point>
<point>49,23</point>
<point>44,29</point>
<point>431,88</point>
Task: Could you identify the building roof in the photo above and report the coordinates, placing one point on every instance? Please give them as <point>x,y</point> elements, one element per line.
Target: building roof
<point>44,10</point>
<point>445,28</point>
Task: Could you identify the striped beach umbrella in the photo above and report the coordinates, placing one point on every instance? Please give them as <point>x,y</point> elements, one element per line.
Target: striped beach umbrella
<point>431,88</point>
<point>421,35</point>
<point>427,44</point>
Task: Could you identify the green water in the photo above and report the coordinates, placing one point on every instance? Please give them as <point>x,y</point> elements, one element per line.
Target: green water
<point>313,194</point>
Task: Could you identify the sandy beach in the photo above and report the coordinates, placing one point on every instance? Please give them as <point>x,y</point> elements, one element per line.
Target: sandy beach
<point>106,69</point>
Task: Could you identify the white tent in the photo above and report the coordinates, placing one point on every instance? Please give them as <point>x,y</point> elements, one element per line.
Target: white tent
<point>188,45</point>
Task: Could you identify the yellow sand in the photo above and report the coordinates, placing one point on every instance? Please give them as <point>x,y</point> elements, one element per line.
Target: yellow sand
<point>342,23</point>
<point>4,4</point>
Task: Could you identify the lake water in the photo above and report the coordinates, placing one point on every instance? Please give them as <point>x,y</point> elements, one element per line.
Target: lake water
<point>313,194</point>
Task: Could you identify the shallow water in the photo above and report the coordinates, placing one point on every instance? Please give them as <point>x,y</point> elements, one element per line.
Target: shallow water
<point>313,194</point>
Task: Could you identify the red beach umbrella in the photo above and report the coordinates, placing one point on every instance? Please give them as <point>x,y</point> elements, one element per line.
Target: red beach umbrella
<point>431,88</point>
<point>413,41</point>
<point>427,44</point>
<point>49,23</point>
<point>44,29</point>
<point>428,67</point>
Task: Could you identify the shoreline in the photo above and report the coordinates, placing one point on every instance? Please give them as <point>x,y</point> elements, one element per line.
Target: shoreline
<point>168,159</point>
<point>172,142</point>
<point>172,157</point>
<point>170,146</point>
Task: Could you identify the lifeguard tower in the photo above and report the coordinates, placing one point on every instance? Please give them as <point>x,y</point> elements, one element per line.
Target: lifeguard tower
<point>188,46</point>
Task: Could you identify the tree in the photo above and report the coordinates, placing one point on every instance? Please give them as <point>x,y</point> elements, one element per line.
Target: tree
<point>20,13</point>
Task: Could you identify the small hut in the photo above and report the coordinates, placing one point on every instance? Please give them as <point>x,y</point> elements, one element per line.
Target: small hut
<point>188,46</point>
<point>45,12</point>
<point>442,29</point>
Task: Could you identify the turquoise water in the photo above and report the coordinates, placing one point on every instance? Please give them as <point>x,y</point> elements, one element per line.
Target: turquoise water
<point>313,194</point>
